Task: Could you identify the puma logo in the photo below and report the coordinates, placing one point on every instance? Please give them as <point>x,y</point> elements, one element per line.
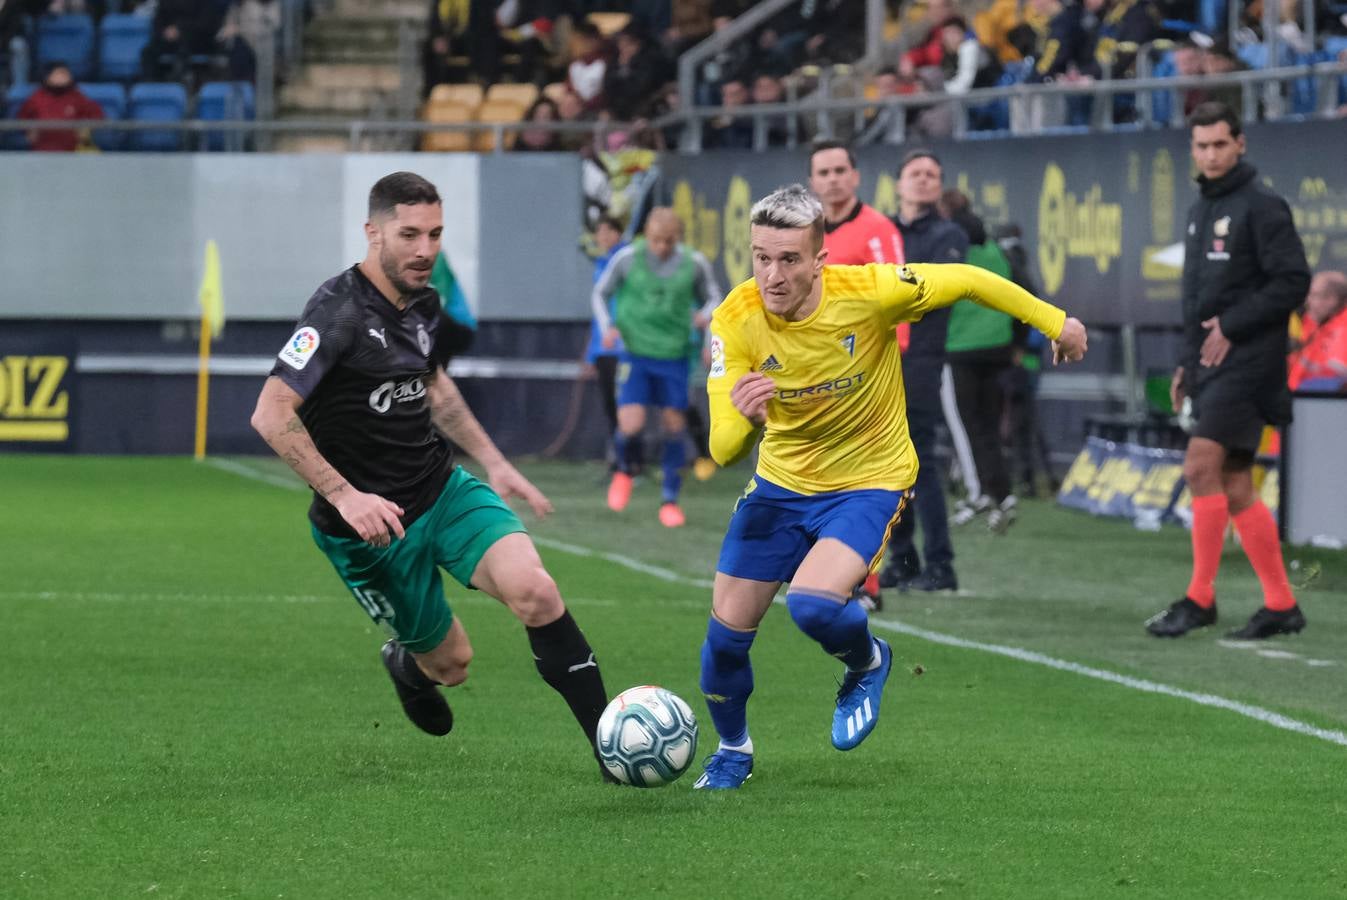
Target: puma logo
<point>584,665</point>
<point>379,336</point>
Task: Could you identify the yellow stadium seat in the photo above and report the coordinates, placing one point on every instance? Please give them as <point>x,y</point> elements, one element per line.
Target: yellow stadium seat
<point>494,111</point>
<point>519,94</point>
<point>447,141</point>
<point>610,23</point>
<point>470,95</point>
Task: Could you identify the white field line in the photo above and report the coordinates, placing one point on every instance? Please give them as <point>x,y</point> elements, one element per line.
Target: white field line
<point>1257,713</point>
<point>1264,651</point>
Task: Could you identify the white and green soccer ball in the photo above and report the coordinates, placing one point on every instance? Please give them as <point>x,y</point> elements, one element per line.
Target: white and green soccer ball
<point>647,736</point>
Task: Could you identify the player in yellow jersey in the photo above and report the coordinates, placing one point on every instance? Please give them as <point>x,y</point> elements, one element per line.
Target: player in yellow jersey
<point>803,357</point>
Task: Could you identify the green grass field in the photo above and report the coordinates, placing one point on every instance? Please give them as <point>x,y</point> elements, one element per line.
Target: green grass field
<point>191,706</point>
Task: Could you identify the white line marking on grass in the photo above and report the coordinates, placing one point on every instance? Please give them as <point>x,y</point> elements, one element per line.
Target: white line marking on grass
<point>228,465</point>
<point>111,597</point>
<point>1262,650</point>
<point>1257,713</point>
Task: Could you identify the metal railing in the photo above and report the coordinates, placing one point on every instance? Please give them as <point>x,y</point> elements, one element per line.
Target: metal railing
<point>374,134</point>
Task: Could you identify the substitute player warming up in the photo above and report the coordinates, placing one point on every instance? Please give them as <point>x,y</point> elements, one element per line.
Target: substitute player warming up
<point>803,356</point>
<point>359,405</point>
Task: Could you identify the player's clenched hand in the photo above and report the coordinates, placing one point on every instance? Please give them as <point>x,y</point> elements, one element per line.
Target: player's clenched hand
<point>1071,343</point>
<point>371,516</point>
<point>750,395</point>
<point>610,338</point>
<point>1216,345</point>
<point>506,481</point>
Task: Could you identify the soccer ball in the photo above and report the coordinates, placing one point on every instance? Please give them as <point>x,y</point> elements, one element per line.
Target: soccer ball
<point>647,736</point>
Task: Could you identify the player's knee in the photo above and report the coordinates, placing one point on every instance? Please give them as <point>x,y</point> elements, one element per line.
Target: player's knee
<point>451,670</point>
<point>813,614</point>
<point>1201,475</point>
<point>535,599</point>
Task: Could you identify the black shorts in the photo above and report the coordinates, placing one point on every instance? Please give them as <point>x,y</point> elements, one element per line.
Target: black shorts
<point>1228,415</point>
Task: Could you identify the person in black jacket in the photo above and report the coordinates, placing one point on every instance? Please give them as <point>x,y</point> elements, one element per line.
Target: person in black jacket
<point>1244,271</point>
<point>927,237</point>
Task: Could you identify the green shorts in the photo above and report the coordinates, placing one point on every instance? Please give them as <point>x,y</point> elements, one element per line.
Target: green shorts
<point>399,586</point>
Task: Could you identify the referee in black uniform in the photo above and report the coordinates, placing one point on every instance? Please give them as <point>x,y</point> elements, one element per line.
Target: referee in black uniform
<point>1244,271</point>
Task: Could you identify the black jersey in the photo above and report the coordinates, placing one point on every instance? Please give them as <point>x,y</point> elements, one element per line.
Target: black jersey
<point>362,367</point>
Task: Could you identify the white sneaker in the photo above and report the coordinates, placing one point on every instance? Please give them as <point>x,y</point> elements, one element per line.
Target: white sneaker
<point>966,511</point>
<point>1002,517</point>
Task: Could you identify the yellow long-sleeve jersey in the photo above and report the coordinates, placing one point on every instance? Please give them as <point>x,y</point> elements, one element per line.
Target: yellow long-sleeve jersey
<point>838,421</point>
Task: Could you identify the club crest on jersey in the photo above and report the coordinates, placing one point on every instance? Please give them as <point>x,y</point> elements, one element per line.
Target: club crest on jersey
<point>300,348</point>
<point>717,358</point>
<point>849,342</point>
<point>770,364</point>
<point>1221,227</point>
<point>423,339</point>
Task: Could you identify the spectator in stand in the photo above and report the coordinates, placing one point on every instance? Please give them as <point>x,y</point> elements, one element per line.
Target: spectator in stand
<point>730,63</point>
<point>729,131</point>
<point>570,108</point>
<point>250,28</point>
<point>1123,26</point>
<point>966,63</point>
<point>460,29</point>
<point>540,139</point>
<point>585,74</point>
<point>690,23</point>
<point>1320,363</point>
<point>1065,50</point>
<point>58,99</point>
<point>635,74</point>
<point>928,51</point>
<point>895,124</point>
<point>181,29</point>
<point>768,89</point>
<point>524,28</point>
<point>1220,60</point>
<point>1188,63</point>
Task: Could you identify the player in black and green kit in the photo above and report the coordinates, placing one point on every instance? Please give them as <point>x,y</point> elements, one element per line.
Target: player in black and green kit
<point>662,289</point>
<point>359,405</point>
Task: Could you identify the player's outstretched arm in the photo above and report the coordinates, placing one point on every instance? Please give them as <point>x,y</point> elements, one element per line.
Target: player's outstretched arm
<point>450,414</point>
<point>277,420</point>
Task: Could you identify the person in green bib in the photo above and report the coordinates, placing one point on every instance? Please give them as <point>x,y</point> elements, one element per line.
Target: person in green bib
<point>661,290</point>
<point>980,347</point>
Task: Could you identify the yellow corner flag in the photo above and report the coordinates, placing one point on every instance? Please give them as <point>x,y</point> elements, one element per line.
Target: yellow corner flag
<point>211,296</point>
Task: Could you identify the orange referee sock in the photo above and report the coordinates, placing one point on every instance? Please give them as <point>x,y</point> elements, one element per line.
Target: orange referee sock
<point>1210,515</point>
<point>1258,533</point>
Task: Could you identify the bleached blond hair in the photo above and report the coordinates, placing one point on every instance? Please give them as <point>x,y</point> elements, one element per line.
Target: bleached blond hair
<point>794,206</point>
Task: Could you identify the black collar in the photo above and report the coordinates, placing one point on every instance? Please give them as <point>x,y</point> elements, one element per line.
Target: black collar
<point>830,227</point>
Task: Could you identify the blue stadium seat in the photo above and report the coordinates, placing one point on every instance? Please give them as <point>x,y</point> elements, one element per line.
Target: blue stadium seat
<point>14,98</point>
<point>157,102</point>
<point>121,38</point>
<point>68,39</point>
<point>112,98</point>
<point>223,101</point>
<point>1334,46</point>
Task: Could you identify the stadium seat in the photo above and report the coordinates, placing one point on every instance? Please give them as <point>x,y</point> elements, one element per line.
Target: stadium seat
<point>469,95</point>
<point>112,98</point>
<point>15,98</point>
<point>157,102</point>
<point>1334,47</point>
<point>220,101</point>
<point>447,141</point>
<point>68,39</point>
<point>519,94</point>
<point>555,91</point>
<point>121,38</point>
<point>491,112</point>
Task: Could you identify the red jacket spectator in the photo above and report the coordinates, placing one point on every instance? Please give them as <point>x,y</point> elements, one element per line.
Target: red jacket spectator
<point>58,100</point>
<point>1322,357</point>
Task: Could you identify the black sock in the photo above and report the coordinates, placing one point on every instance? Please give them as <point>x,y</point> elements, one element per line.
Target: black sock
<point>566,662</point>
<point>409,671</point>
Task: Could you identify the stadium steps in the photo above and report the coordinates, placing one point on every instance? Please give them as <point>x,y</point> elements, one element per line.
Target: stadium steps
<point>351,65</point>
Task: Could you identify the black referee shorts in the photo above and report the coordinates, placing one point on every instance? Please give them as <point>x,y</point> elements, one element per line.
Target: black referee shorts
<point>1228,415</point>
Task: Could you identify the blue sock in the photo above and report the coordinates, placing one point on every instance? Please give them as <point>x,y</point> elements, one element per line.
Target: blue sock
<point>838,624</point>
<point>727,680</point>
<point>621,450</point>
<point>675,455</point>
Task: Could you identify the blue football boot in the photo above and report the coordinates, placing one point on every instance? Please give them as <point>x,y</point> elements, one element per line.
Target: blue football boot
<point>858,701</point>
<point>726,770</point>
